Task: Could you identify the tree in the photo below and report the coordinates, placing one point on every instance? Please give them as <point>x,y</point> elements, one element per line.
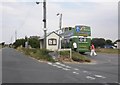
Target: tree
<point>108,42</point>
<point>34,42</point>
<point>3,43</point>
<point>98,42</point>
<point>19,42</point>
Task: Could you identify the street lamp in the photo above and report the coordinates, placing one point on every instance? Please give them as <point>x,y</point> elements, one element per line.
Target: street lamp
<point>44,20</point>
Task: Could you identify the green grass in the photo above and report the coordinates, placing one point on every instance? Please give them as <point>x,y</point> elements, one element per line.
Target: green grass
<point>0,46</point>
<point>42,54</point>
<point>104,50</point>
<point>75,56</point>
<point>39,54</point>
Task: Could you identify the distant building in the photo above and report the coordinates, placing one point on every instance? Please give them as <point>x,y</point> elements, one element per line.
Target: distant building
<point>117,44</point>
<point>108,46</point>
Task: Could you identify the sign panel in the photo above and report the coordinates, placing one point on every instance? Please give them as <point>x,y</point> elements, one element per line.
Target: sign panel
<point>83,30</point>
<point>77,28</point>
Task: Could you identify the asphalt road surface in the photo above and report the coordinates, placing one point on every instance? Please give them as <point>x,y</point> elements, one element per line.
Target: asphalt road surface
<point>18,68</point>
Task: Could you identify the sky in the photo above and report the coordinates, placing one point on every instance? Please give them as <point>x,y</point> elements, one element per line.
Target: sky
<point>25,17</point>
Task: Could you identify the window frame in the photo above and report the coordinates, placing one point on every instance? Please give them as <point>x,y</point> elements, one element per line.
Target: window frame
<point>54,41</point>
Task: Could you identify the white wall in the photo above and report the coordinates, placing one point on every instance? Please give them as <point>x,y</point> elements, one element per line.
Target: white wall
<point>118,45</point>
<point>52,47</point>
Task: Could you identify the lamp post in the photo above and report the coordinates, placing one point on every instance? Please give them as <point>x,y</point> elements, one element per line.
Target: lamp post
<point>60,25</point>
<point>44,20</point>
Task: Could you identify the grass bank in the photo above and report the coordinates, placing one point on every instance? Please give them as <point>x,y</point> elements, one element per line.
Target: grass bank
<point>39,54</point>
<point>64,55</point>
<point>105,50</point>
<point>42,54</point>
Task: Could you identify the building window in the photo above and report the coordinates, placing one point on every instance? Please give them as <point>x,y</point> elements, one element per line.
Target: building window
<point>52,41</point>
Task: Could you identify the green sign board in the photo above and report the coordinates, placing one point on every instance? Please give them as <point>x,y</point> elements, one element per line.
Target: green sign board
<point>82,30</point>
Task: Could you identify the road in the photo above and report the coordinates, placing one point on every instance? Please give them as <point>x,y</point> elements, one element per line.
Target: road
<point>18,68</point>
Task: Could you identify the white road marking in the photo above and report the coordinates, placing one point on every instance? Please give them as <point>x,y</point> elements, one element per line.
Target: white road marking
<point>75,73</point>
<point>76,69</point>
<point>54,65</point>
<point>49,63</point>
<point>86,72</point>
<point>99,76</point>
<point>57,64</point>
<point>117,83</point>
<point>65,69</point>
<point>68,67</point>
<point>62,65</point>
<point>89,77</point>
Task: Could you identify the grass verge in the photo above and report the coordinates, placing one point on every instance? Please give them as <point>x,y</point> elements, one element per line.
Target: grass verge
<point>64,55</point>
<point>105,50</point>
<point>39,54</point>
<point>42,54</point>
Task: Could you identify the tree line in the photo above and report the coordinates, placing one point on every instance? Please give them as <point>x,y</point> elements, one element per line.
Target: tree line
<point>101,42</point>
<point>34,42</point>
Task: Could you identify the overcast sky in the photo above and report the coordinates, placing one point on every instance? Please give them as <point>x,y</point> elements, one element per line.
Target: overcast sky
<point>26,17</point>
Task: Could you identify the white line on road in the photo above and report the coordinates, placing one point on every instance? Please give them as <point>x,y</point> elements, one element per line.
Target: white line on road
<point>89,77</point>
<point>58,66</point>
<point>100,76</point>
<point>117,83</point>
<point>62,65</point>
<point>76,69</point>
<point>68,67</point>
<point>49,63</point>
<point>86,72</point>
<point>75,73</point>
<point>65,69</point>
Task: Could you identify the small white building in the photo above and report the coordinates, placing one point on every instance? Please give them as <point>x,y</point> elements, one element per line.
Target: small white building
<point>53,41</point>
<point>118,45</point>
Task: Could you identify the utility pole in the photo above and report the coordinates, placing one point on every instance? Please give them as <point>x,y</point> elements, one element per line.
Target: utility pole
<point>60,26</point>
<point>60,20</point>
<point>15,35</point>
<point>44,20</point>
<point>11,39</point>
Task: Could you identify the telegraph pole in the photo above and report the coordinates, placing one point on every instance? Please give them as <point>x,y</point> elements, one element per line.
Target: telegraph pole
<point>44,20</point>
<point>60,26</point>
<point>15,35</point>
<point>60,21</point>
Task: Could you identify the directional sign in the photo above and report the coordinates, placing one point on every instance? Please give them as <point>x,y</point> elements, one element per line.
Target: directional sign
<point>77,29</point>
